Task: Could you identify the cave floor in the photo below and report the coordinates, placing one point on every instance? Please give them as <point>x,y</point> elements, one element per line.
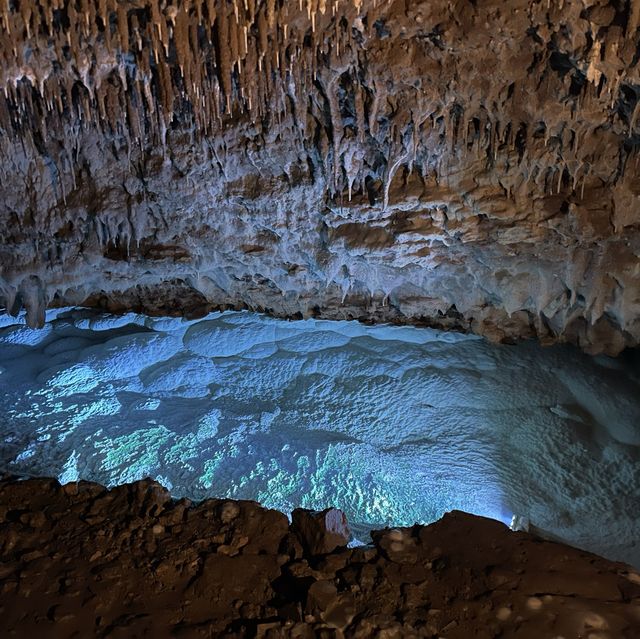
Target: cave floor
<point>394,425</point>
<point>80,560</point>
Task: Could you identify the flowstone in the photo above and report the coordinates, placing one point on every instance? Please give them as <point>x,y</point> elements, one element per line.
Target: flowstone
<point>393,425</point>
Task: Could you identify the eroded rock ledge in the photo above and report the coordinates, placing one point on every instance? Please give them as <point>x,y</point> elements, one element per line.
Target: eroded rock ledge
<point>462,163</point>
<point>82,560</point>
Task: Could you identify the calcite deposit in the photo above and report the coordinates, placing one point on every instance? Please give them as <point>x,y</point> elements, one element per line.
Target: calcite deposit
<point>80,561</point>
<point>456,163</point>
<point>392,424</point>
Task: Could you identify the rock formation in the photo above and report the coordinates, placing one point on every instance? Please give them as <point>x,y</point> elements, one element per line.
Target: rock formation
<point>320,532</point>
<point>459,163</point>
<point>80,560</point>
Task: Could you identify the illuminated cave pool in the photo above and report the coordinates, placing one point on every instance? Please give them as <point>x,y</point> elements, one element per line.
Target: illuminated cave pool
<point>394,425</point>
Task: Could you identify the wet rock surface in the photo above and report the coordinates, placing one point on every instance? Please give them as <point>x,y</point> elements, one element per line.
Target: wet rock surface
<point>81,560</point>
<point>462,164</point>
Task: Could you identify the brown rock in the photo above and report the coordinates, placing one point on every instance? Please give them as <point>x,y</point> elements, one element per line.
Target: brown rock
<point>320,532</point>
<point>462,577</point>
<point>321,595</point>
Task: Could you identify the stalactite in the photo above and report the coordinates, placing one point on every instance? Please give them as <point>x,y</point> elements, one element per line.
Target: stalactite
<point>225,63</point>
<point>247,56</point>
<point>634,17</point>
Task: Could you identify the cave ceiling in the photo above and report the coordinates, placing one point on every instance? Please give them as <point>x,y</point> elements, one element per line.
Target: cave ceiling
<point>464,164</point>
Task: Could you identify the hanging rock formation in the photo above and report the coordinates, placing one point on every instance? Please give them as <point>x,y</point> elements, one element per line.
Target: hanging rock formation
<point>459,163</point>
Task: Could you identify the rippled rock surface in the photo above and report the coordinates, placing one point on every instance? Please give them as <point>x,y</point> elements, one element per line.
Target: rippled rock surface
<point>394,425</point>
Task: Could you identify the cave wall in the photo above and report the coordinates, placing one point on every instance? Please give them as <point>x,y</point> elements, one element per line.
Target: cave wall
<point>462,164</point>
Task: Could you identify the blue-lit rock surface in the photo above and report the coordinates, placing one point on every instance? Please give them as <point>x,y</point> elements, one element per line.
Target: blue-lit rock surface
<point>394,425</point>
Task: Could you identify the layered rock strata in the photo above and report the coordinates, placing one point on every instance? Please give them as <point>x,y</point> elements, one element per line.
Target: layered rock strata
<point>463,164</point>
<point>81,560</point>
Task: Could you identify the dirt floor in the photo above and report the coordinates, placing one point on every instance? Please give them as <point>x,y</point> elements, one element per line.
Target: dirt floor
<point>82,561</point>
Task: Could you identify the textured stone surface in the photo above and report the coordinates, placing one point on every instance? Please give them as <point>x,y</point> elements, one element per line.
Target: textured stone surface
<point>320,532</point>
<point>465,164</point>
<point>392,424</point>
<point>80,560</point>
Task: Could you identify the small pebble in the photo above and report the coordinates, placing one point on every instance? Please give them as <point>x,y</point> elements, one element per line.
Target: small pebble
<point>534,603</point>
<point>503,613</point>
<point>229,512</point>
<point>594,620</point>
